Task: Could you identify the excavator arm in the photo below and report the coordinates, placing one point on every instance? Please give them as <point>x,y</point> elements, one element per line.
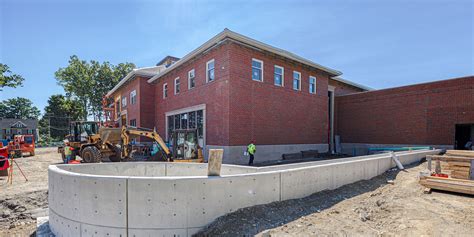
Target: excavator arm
<point>127,132</point>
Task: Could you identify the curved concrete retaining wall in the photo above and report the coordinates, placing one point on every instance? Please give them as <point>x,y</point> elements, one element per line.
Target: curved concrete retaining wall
<point>178,199</point>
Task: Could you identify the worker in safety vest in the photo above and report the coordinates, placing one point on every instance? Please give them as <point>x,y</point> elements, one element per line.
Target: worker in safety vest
<point>251,149</point>
<point>68,153</point>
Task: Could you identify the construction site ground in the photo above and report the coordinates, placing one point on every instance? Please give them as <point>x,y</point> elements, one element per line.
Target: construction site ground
<point>366,208</point>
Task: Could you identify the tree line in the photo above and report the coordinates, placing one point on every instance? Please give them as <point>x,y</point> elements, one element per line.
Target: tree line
<point>84,82</point>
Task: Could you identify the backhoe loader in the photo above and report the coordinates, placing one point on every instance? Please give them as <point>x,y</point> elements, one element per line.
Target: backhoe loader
<point>93,144</point>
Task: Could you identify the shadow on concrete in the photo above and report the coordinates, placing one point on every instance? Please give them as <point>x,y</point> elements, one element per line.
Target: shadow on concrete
<point>252,220</point>
<point>321,157</point>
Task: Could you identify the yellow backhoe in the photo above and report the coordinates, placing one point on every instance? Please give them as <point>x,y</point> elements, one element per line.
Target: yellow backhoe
<point>94,144</point>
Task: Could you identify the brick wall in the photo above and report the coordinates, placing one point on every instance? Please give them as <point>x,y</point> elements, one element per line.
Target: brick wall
<point>146,102</point>
<point>418,114</point>
<point>214,94</point>
<point>272,114</point>
<point>343,89</point>
<point>133,111</point>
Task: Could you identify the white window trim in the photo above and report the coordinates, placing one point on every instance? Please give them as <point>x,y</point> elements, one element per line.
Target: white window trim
<point>189,78</point>
<point>293,78</point>
<point>133,94</point>
<point>282,76</point>
<point>165,88</point>
<point>309,89</point>
<point>260,61</point>
<point>207,70</point>
<point>176,79</point>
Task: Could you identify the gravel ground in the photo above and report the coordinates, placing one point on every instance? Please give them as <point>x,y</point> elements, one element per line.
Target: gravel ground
<point>22,202</point>
<point>366,208</point>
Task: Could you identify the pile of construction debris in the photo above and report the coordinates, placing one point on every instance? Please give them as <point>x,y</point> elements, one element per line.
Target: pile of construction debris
<point>454,172</point>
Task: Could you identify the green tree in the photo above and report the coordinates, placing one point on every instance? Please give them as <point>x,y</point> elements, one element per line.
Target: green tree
<point>57,115</point>
<point>90,81</point>
<point>8,79</point>
<point>19,108</point>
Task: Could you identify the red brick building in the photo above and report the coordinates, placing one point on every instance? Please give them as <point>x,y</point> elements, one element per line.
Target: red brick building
<point>439,113</point>
<point>234,89</point>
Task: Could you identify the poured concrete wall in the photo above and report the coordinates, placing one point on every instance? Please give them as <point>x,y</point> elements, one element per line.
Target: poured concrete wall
<point>178,199</point>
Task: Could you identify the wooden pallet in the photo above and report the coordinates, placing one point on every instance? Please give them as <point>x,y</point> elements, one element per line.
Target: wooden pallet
<point>448,184</point>
<point>458,165</point>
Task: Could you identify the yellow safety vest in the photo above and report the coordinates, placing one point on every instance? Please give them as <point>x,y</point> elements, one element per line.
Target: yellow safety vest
<point>251,149</point>
<point>67,151</point>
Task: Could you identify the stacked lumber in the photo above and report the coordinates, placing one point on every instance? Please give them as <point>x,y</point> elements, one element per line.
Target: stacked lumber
<point>456,166</point>
<point>448,184</point>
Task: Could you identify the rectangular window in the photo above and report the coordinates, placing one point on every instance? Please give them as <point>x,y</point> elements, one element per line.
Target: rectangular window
<point>192,119</point>
<point>257,70</point>
<point>279,75</point>
<point>170,127</point>
<point>176,86</point>
<point>8,131</point>
<point>184,121</point>
<point>117,107</point>
<point>191,76</point>
<point>124,102</point>
<point>200,124</point>
<point>296,80</point>
<point>133,97</point>
<point>312,85</point>
<point>165,90</point>
<point>177,122</point>
<point>133,122</point>
<point>210,71</point>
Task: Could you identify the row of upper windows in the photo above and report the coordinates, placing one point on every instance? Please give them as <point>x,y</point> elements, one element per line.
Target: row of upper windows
<point>210,68</point>
<point>279,76</point>
<point>9,131</point>
<point>257,75</point>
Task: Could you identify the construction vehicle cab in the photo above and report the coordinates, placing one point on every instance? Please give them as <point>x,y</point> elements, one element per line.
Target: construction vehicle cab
<point>82,134</point>
<point>80,131</point>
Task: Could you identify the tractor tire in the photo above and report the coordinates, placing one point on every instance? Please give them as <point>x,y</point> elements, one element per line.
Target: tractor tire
<point>117,156</point>
<point>91,154</point>
<point>114,158</point>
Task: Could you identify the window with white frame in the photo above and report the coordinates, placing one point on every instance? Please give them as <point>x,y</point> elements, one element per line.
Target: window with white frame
<point>296,80</point>
<point>210,71</point>
<point>312,85</point>
<point>278,75</point>
<point>177,86</point>
<point>165,90</point>
<point>257,70</point>
<point>133,97</point>
<point>124,102</point>
<point>133,122</point>
<point>191,82</point>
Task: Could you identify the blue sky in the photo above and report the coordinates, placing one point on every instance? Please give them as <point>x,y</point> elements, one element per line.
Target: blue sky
<point>375,43</point>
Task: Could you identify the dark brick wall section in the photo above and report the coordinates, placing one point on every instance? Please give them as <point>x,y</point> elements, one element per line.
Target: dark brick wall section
<point>417,114</point>
<point>146,100</point>
<point>343,89</point>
